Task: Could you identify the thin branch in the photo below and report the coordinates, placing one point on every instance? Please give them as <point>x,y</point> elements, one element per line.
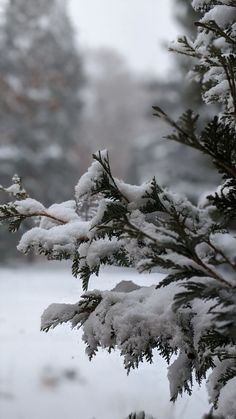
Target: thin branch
<point>195,257</point>
<point>212,26</point>
<point>227,260</point>
<point>35,214</point>
<point>193,140</point>
<point>212,273</point>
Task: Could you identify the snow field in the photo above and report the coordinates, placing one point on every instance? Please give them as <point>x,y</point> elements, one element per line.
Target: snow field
<point>48,376</point>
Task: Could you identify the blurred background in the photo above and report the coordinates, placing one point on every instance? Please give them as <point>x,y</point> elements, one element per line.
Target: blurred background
<point>77,76</point>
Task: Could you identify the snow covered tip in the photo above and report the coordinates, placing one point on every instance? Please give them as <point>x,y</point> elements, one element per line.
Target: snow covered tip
<point>87,182</point>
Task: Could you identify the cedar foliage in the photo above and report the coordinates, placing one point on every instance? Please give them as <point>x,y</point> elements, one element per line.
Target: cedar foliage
<point>192,313</point>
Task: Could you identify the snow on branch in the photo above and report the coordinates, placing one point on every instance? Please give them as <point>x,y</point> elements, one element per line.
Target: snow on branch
<point>215,53</point>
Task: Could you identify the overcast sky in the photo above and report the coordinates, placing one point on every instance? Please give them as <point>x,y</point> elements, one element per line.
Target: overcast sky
<point>136,28</point>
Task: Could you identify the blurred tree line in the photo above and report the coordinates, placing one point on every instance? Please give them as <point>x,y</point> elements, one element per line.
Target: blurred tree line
<point>58,105</point>
<point>41,80</point>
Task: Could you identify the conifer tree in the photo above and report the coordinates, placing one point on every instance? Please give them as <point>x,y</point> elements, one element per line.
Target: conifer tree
<point>191,313</point>
<point>40,105</point>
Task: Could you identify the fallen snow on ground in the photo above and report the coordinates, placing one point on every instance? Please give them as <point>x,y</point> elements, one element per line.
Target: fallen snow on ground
<point>48,376</point>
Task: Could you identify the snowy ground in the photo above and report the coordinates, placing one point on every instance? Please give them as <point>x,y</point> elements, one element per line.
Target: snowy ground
<point>47,376</point>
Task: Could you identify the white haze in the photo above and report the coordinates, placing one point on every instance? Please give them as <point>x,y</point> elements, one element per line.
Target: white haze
<point>138,29</point>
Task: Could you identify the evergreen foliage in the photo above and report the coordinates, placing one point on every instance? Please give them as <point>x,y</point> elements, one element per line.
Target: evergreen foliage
<point>191,314</point>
